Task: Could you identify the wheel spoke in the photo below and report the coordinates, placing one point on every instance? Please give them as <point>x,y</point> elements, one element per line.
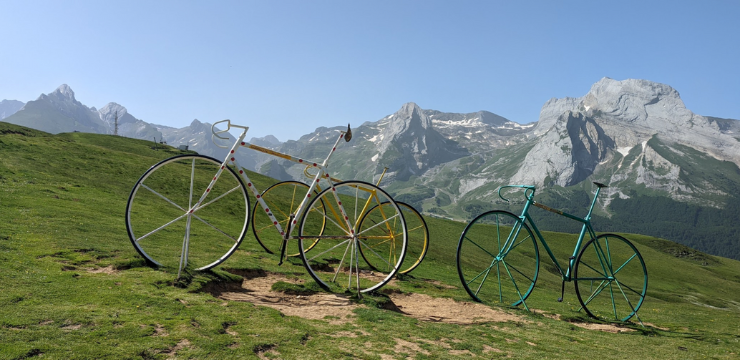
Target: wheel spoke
<point>521,273</point>
<point>480,247</point>
<point>160,228</point>
<point>163,197</point>
<point>342,227</point>
<point>215,228</point>
<point>630,288</point>
<point>339,267</point>
<point>218,198</point>
<point>596,292</point>
<point>625,295</point>
<point>594,269</point>
<point>486,270</point>
<point>376,254</point>
<point>327,251</point>
<point>190,197</point>
<point>381,223</point>
<point>623,265</point>
<point>513,281</point>
<point>483,281</point>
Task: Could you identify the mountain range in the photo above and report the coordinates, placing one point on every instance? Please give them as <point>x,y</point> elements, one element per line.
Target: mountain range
<point>671,173</point>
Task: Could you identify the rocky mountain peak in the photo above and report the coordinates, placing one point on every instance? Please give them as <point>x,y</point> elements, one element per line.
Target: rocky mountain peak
<point>64,92</point>
<point>267,141</point>
<point>652,106</point>
<point>410,116</point>
<point>198,126</point>
<point>634,100</point>
<point>111,109</point>
<point>410,144</point>
<point>551,111</point>
<point>409,121</point>
<point>492,119</point>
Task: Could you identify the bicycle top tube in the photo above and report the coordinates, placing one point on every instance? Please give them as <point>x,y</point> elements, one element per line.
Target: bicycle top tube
<point>346,135</point>
<point>529,191</point>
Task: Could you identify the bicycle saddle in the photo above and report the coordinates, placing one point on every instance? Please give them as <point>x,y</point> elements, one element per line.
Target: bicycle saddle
<point>600,185</point>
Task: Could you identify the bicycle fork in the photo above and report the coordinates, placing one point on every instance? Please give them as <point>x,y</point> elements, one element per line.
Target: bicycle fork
<point>284,243</point>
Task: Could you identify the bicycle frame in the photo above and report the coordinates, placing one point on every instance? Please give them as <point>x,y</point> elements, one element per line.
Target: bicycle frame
<point>322,173</point>
<point>503,244</point>
<point>525,217</point>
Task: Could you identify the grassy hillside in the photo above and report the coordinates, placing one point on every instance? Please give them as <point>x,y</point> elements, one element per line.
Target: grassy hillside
<point>74,287</point>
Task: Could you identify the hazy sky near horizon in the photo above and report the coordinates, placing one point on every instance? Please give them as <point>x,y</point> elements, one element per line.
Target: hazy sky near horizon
<point>287,67</point>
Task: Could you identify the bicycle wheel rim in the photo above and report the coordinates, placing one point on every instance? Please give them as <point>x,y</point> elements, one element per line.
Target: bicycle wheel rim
<point>498,259</point>
<point>610,278</point>
<point>157,213</point>
<point>335,262</point>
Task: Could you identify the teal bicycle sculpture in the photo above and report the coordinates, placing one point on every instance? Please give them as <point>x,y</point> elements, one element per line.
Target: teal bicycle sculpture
<point>498,261</point>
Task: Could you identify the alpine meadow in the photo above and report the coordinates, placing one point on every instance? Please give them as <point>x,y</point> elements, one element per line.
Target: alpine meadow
<point>74,287</point>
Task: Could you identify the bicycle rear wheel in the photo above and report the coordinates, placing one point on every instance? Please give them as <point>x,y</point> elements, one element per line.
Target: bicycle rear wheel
<point>336,258</point>
<point>417,233</point>
<point>167,228</point>
<point>497,258</point>
<point>610,278</point>
<point>283,200</point>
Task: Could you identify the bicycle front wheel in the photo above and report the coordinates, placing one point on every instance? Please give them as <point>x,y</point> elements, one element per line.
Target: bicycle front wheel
<point>417,234</point>
<point>610,278</point>
<point>283,200</point>
<point>167,228</point>
<point>497,258</point>
<point>336,260</point>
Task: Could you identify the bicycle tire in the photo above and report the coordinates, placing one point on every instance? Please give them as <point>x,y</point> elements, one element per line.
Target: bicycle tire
<point>488,244</point>
<point>599,262</point>
<point>342,237</point>
<point>165,226</point>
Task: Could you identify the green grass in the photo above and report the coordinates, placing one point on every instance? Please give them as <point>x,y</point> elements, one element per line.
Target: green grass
<point>62,202</point>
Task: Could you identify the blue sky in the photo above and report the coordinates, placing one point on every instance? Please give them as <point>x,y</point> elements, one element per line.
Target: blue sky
<point>287,67</point>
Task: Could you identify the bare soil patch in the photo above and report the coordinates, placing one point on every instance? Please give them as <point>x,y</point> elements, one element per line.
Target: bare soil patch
<point>172,352</point>
<point>338,308</point>
<point>610,328</point>
<point>257,289</point>
<point>427,308</point>
<point>105,270</point>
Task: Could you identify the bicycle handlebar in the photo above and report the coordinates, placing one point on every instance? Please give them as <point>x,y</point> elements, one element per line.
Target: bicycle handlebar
<point>229,125</point>
<point>528,191</point>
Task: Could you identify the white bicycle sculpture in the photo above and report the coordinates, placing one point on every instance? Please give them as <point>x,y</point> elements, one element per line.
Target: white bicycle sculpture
<point>193,210</point>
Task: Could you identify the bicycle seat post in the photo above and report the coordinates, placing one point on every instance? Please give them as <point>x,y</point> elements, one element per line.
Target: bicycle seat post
<point>599,186</point>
